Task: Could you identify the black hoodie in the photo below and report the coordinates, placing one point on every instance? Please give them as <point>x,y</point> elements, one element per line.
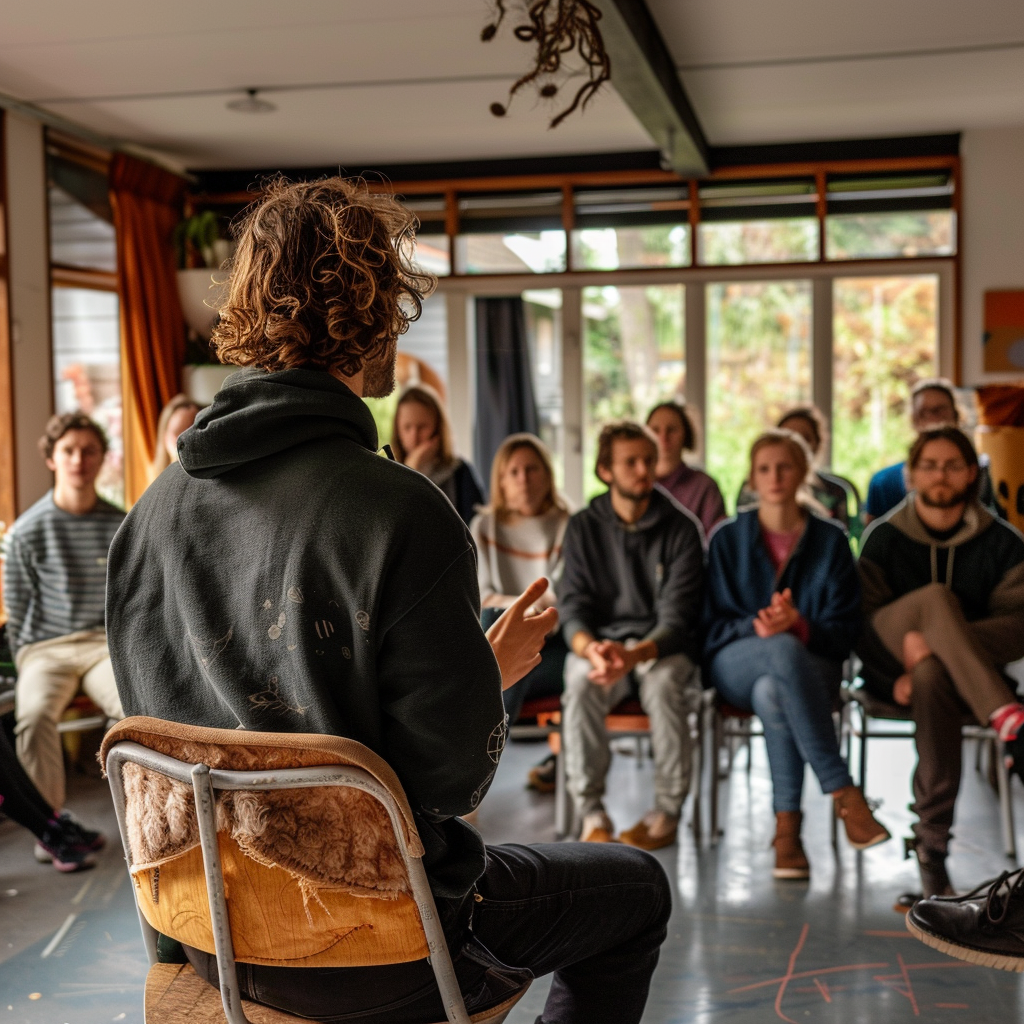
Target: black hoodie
<point>284,577</point>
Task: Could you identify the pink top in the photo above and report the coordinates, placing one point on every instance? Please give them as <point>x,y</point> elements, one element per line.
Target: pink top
<point>698,493</point>
<point>780,547</point>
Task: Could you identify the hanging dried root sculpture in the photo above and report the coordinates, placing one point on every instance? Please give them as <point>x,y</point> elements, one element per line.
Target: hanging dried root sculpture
<point>557,28</point>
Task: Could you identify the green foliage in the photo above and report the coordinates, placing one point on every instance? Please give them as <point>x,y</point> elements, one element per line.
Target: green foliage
<point>383,410</point>
<point>194,237</point>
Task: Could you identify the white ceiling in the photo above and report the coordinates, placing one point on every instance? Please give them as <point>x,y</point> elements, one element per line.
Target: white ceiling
<point>358,82</point>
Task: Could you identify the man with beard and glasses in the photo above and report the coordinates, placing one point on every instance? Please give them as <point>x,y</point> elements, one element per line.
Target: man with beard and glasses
<point>943,583</point>
<point>631,598</point>
<point>283,577</point>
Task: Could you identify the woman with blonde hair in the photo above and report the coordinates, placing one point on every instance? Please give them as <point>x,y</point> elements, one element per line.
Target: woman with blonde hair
<point>421,438</point>
<point>518,538</point>
<point>781,614</point>
<point>177,416</point>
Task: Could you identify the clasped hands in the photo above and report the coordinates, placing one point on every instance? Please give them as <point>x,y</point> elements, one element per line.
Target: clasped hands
<point>611,659</point>
<point>779,617</point>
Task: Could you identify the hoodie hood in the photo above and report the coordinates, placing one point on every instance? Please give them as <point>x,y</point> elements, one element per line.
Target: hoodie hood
<point>258,414</point>
<point>661,507</point>
<point>904,517</point>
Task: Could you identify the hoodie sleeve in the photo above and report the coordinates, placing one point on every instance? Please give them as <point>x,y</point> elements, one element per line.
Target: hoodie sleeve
<point>680,595</point>
<point>875,589</point>
<point>440,691</point>
<point>20,583</point>
<point>575,589</point>
<point>1000,633</point>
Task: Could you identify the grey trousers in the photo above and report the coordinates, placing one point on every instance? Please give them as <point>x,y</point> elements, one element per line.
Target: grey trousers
<point>669,690</point>
<point>960,681</point>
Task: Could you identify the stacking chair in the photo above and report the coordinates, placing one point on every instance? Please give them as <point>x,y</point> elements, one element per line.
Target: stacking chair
<point>287,850</point>
<point>866,717</point>
<point>627,721</point>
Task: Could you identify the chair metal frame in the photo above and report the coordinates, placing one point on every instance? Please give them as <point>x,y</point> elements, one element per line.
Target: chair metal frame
<point>205,782</point>
<point>863,731</point>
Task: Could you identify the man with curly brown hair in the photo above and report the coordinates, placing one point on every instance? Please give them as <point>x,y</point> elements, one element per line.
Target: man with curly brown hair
<point>283,577</point>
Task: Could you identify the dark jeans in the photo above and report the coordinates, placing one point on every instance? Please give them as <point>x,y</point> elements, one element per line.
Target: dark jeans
<point>19,798</point>
<point>595,915</point>
<point>546,680</point>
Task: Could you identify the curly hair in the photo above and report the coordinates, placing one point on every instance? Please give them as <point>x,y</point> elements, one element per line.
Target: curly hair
<point>322,277</point>
<point>58,426</point>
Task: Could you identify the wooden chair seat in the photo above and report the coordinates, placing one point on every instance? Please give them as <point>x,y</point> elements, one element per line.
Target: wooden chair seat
<point>175,994</point>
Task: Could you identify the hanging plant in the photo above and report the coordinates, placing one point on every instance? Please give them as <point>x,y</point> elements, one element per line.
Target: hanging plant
<point>557,28</point>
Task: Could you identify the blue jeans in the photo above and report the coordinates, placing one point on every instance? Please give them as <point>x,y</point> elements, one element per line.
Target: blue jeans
<point>792,691</point>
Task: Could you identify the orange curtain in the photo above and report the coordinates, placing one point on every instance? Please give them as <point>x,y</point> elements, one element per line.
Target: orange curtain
<point>147,204</point>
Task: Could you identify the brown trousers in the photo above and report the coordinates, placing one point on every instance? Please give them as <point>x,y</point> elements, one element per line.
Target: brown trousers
<point>961,680</point>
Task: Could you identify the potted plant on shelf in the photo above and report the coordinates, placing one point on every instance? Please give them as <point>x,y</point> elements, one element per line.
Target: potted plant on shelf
<point>201,252</point>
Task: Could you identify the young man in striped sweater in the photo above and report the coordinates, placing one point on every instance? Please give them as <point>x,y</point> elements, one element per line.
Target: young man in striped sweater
<point>55,575</point>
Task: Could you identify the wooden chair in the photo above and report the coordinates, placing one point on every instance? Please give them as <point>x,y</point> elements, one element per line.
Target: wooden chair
<point>867,717</point>
<point>288,850</point>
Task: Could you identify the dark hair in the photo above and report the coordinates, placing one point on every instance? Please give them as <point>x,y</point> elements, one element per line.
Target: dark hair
<point>58,426</point>
<point>689,433</point>
<point>937,384</point>
<point>322,277</point>
<point>623,430</point>
<point>955,436</point>
<point>809,414</point>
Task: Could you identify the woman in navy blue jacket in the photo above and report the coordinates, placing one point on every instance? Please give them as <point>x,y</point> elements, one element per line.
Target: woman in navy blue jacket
<point>782,612</point>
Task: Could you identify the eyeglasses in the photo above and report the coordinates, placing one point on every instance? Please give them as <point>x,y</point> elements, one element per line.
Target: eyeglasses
<point>956,466</point>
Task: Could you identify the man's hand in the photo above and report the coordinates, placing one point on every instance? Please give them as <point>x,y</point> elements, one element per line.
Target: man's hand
<point>915,649</point>
<point>779,617</point>
<point>423,455</point>
<point>518,635</point>
<point>612,660</point>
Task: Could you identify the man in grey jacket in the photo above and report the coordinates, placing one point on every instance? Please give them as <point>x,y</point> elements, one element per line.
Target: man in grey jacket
<point>630,598</point>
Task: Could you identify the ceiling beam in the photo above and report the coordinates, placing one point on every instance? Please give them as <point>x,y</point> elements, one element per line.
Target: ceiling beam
<point>645,77</point>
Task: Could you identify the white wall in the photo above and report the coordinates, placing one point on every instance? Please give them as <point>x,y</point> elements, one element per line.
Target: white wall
<point>993,232</point>
<point>28,248</point>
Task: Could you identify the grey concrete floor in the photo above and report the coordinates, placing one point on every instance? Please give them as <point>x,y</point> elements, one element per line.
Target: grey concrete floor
<point>741,947</point>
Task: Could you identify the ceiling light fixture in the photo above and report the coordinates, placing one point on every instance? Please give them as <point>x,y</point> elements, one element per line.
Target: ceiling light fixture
<point>251,104</point>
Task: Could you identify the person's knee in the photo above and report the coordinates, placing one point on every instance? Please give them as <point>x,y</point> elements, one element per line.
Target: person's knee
<point>577,683</point>
<point>930,675</point>
<point>784,655</point>
<point>639,867</point>
<point>937,595</point>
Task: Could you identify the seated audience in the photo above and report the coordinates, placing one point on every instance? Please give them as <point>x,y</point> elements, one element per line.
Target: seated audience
<point>943,584</point>
<point>782,612</point>
<point>55,575</point>
<point>421,437</point>
<point>630,599</point>
<point>692,488</point>
<point>828,491</point>
<point>307,585</point>
<point>518,538</point>
<point>63,840</point>
<point>178,415</point>
<point>932,404</point>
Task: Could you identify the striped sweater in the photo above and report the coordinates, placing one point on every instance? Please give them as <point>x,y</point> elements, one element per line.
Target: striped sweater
<point>55,571</point>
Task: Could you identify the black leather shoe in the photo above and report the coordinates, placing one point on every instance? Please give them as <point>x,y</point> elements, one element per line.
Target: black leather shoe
<point>985,927</point>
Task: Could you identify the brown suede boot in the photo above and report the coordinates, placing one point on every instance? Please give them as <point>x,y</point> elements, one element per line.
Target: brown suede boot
<point>862,830</point>
<point>790,859</point>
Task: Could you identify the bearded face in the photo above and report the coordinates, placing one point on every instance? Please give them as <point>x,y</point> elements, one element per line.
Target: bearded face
<point>379,373</point>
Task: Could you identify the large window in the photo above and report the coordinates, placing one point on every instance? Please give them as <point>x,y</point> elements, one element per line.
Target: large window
<point>885,339</point>
<point>758,364</point>
<point>634,356</point>
<point>84,306</point>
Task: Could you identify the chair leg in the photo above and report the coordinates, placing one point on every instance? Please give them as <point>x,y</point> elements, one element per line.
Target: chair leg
<point>716,778</point>
<point>1005,801</point>
<point>696,772</point>
<point>563,807</point>
<point>863,749</point>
